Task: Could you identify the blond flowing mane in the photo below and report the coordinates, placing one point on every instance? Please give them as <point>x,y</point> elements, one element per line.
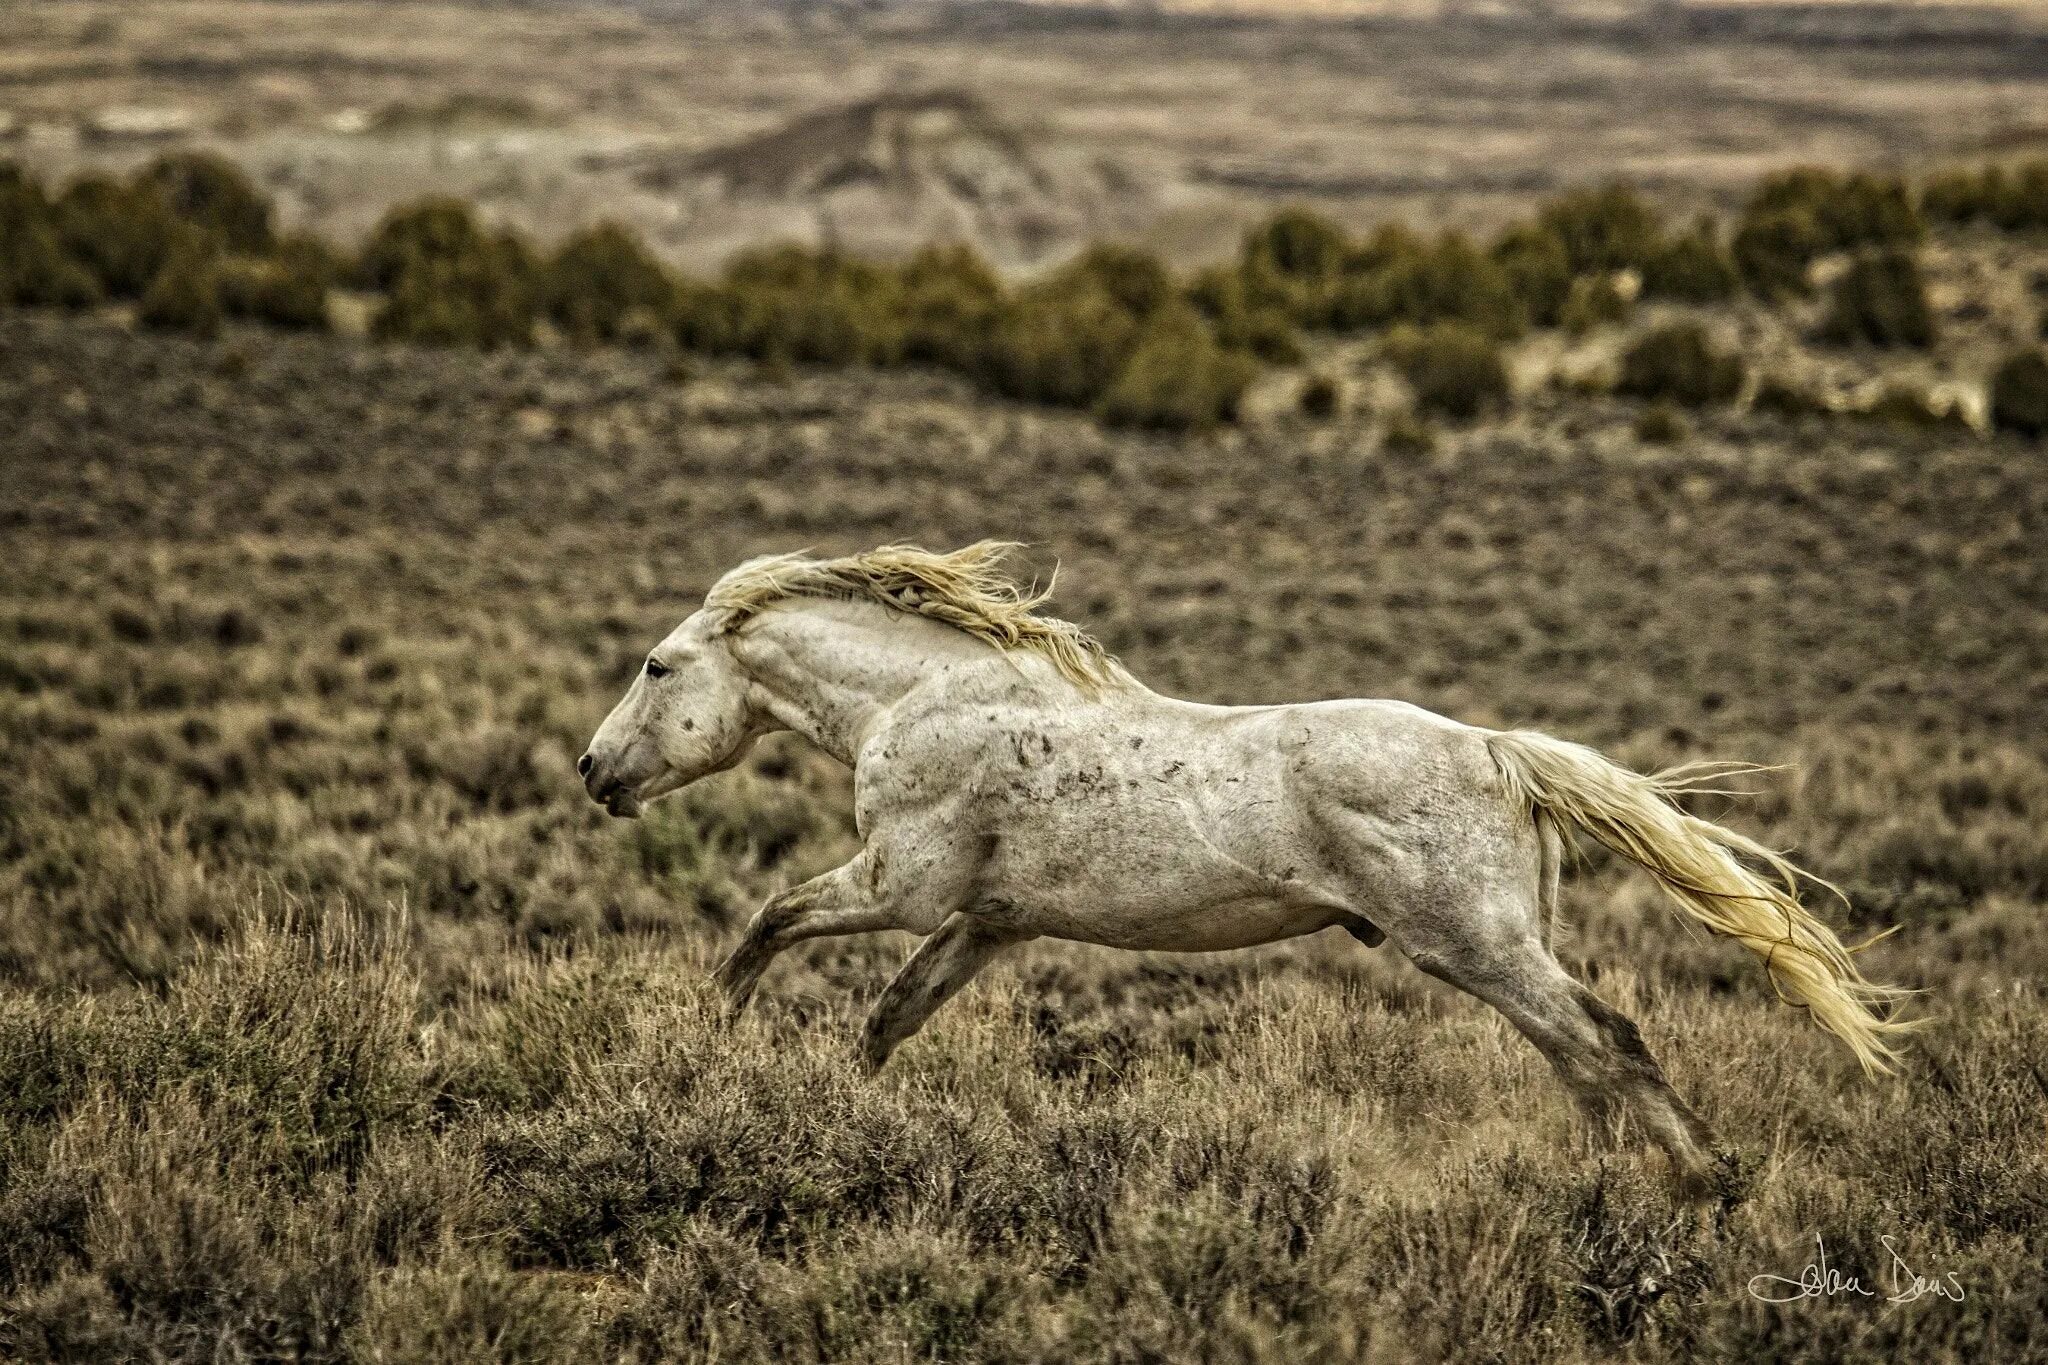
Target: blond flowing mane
<point>966,589</point>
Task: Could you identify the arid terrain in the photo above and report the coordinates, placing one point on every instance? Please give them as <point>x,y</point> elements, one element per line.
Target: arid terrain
<point>1026,129</point>
<point>395,1044</point>
<point>337,1023</point>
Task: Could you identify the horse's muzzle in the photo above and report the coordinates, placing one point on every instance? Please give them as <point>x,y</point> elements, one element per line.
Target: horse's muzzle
<point>605,789</point>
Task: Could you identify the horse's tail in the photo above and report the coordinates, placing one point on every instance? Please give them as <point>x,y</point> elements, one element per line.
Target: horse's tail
<point>1702,866</point>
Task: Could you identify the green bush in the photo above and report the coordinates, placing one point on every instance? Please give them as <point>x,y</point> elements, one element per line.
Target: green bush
<point>1693,267</point>
<point>35,268</point>
<point>1177,378</point>
<point>214,195</point>
<point>1778,397</point>
<point>2019,393</point>
<point>1400,280</point>
<point>286,288</point>
<point>1595,301</point>
<point>448,281</point>
<point>1455,371</point>
<point>2022,200</point>
<point>1059,343</point>
<point>1538,271</point>
<point>1880,299</point>
<point>1911,407</point>
<point>1773,251</point>
<point>1134,277</point>
<point>1320,397</point>
<point>122,233</point>
<point>951,300</point>
<point>185,296</point>
<point>1661,423</point>
<point>1963,195</point>
<point>1408,434</point>
<point>600,277</point>
<point>791,305</point>
<point>1609,228</point>
<point>1679,363</point>
<point>1245,318</point>
<point>1857,209</point>
<point>1297,244</point>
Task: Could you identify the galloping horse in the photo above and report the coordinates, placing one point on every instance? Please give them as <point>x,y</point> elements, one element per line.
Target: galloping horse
<point>1012,781</point>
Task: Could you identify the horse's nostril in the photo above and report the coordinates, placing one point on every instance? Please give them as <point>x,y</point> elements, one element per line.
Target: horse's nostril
<point>583,766</point>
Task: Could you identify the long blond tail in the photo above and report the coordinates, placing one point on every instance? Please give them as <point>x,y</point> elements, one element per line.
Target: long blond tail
<point>1702,866</point>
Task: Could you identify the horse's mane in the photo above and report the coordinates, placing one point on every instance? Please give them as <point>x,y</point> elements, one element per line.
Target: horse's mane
<point>966,589</point>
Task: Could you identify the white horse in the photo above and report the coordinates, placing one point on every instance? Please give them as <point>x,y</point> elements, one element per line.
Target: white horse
<point>1011,781</point>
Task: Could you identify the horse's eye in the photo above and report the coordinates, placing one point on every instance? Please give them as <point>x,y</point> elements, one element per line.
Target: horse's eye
<point>656,669</point>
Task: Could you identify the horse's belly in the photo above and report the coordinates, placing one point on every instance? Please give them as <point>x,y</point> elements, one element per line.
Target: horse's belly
<point>1184,903</point>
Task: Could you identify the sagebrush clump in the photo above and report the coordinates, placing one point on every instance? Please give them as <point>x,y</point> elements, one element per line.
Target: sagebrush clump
<point>447,280</point>
<point>1880,300</point>
<point>1177,378</point>
<point>1454,370</point>
<point>2018,398</point>
<point>1069,336</point>
<point>599,278</point>
<point>1680,363</point>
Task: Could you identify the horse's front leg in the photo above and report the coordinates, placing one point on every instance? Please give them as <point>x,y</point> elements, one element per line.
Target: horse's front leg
<point>846,900</point>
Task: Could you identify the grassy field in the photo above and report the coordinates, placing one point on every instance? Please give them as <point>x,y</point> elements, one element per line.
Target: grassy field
<point>336,1022</point>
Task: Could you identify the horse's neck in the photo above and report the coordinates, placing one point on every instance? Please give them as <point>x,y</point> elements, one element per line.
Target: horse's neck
<point>829,669</point>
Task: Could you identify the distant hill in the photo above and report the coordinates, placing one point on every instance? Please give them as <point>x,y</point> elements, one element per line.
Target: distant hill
<point>894,171</point>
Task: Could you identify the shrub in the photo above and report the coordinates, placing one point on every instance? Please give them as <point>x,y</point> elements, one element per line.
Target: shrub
<point>1455,371</point>
<point>2019,393</point>
<point>35,268</point>
<point>1408,434</point>
<point>1320,397</point>
<point>601,276</point>
<point>185,296</point>
<point>214,195</point>
<point>1782,398</point>
<point>448,281</point>
<point>1059,343</point>
<point>1244,318</point>
<point>1772,251</point>
<point>789,304</point>
<point>1847,211</point>
<point>1694,267</point>
<point>1905,405</point>
<point>1661,424</point>
<point>1679,363</point>
<point>1421,284</point>
<point>951,300</point>
<point>1177,378</point>
<point>1538,271</point>
<point>1594,301</point>
<point>1134,277</point>
<point>2021,203</point>
<point>1963,196</point>
<point>1609,228</point>
<point>287,288</point>
<point>1297,244</point>
<point>1880,299</point>
<point>122,233</point>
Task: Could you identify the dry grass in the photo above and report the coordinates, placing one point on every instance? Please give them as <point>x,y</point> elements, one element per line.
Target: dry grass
<point>337,1023</point>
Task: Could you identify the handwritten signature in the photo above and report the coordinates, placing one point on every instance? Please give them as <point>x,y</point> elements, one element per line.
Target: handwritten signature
<point>1819,1280</point>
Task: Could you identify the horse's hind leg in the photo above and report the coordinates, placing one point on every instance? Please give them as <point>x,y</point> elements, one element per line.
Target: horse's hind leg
<point>938,969</point>
<point>1596,1051</point>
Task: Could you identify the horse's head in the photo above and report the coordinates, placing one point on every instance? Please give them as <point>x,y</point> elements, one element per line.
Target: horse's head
<point>686,716</point>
